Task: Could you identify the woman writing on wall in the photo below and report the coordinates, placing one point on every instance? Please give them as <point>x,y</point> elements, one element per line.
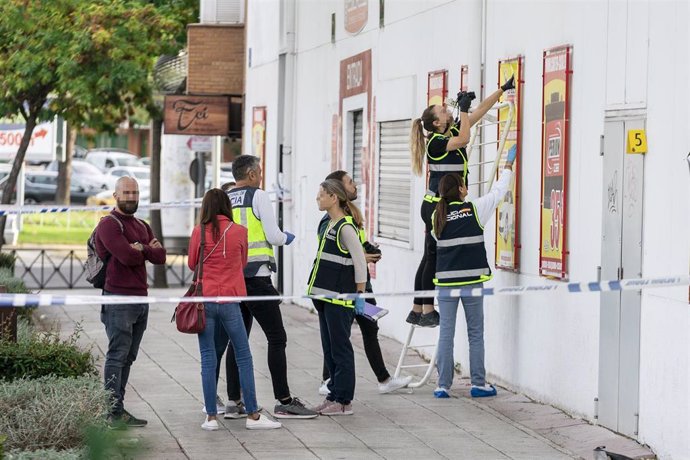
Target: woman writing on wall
<point>444,148</point>
<point>340,267</point>
<point>458,227</point>
<point>224,255</point>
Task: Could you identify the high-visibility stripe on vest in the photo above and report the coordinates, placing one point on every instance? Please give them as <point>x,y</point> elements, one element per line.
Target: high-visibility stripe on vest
<point>460,254</point>
<point>333,271</point>
<point>259,250</point>
<point>323,225</point>
<point>448,161</point>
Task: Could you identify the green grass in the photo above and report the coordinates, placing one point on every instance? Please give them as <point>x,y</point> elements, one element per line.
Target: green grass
<point>35,234</point>
<point>59,228</point>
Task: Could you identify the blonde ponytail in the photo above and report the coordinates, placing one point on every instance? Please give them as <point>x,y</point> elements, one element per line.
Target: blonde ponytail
<point>418,140</point>
<point>417,147</point>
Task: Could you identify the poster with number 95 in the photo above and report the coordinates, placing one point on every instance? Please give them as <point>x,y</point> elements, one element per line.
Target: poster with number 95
<point>554,185</point>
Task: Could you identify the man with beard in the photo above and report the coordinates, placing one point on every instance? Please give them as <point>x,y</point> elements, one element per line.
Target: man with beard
<point>125,243</point>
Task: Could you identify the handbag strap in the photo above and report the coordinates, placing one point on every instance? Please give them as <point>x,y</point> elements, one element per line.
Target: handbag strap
<point>199,269</point>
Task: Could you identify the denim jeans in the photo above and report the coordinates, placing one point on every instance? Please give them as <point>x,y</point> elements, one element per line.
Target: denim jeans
<point>223,344</point>
<point>124,326</point>
<point>474,316</point>
<point>228,316</point>
<point>267,314</point>
<point>335,325</point>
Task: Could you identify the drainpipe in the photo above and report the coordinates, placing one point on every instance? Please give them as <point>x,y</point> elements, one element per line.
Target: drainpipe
<point>285,109</point>
<point>482,85</point>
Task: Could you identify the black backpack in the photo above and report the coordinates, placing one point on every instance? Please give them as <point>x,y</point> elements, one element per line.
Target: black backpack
<point>95,266</point>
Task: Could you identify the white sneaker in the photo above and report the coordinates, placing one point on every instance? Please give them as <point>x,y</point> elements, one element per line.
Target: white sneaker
<point>210,425</point>
<point>323,389</point>
<point>394,383</point>
<point>262,423</point>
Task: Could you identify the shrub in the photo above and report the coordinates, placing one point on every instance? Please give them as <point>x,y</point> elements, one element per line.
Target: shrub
<point>41,354</point>
<point>7,260</point>
<point>13,285</point>
<point>48,454</point>
<point>51,412</point>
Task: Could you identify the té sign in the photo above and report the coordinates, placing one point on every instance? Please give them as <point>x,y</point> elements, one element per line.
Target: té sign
<point>197,115</point>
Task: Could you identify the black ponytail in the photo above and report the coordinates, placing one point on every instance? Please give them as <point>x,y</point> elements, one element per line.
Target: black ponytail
<point>449,189</point>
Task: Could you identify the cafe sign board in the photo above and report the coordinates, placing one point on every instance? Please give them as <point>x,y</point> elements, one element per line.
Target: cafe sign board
<point>197,115</point>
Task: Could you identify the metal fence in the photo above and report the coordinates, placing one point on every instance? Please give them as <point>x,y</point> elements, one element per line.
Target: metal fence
<point>61,268</point>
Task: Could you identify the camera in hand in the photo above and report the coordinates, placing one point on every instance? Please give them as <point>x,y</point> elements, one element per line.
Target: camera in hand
<point>370,248</point>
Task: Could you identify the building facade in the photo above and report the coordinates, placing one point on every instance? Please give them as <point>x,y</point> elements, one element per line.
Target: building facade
<point>335,85</point>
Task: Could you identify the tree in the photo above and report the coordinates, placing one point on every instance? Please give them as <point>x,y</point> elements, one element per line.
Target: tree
<point>87,62</point>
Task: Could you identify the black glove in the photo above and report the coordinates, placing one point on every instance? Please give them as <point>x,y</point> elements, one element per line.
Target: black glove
<point>510,84</point>
<point>465,100</point>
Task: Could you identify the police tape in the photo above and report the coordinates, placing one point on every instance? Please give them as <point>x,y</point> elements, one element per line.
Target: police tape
<point>34,209</point>
<point>635,284</point>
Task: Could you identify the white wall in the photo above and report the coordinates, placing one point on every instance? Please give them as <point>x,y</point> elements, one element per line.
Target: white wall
<point>665,341</point>
<point>625,54</point>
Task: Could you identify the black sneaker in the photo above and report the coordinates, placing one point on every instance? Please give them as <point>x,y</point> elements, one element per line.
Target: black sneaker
<point>413,317</point>
<point>296,409</point>
<point>115,422</point>
<point>430,319</point>
<point>131,420</point>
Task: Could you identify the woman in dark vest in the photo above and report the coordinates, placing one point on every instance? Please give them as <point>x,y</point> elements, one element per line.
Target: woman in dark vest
<point>444,149</point>
<point>340,267</point>
<point>458,227</point>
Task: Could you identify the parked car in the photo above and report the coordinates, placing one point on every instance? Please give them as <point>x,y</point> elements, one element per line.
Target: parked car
<point>85,173</point>
<point>106,158</point>
<point>145,161</point>
<point>140,173</point>
<point>41,186</point>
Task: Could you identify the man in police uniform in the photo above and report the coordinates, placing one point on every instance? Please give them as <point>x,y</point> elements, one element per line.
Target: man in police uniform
<point>252,208</point>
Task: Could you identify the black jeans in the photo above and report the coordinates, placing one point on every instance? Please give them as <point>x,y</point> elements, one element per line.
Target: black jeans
<point>267,314</point>
<point>372,348</point>
<point>124,326</point>
<point>335,324</point>
<point>426,272</point>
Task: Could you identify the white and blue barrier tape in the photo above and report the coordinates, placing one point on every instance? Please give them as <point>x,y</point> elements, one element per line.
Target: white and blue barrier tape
<point>37,209</point>
<point>635,284</point>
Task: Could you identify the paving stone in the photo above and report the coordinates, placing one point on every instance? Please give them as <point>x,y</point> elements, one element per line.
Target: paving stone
<point>165,388</point>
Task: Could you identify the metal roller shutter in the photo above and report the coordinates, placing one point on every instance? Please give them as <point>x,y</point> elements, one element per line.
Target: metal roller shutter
<point>394,180</point>
<point>357,150</point>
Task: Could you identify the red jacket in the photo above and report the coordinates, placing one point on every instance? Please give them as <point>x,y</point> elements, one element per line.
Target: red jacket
<point>223,273</point>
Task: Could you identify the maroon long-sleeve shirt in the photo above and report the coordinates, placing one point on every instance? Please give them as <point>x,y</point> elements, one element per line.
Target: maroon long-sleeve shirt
<point>126,272</point>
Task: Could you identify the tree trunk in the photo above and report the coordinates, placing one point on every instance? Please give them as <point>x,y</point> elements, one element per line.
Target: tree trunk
<point>11,184</point>
<point>160,279</point>
<point>62,196</point>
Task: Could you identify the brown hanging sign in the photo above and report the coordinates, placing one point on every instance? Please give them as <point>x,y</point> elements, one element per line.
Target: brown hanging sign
<point>197,115</point>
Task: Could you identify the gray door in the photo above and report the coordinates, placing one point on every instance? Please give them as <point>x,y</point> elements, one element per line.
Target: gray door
<point>621,257</point>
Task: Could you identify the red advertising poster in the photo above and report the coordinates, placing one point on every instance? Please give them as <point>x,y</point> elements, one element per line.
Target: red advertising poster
<point>259,137</point>
<point>553,251</point>
<point>436,88</point>
<point>508,212</point>
<point>464,77</point>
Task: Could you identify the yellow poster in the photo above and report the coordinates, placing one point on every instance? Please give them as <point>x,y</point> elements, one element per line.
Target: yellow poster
<point>507,230</point>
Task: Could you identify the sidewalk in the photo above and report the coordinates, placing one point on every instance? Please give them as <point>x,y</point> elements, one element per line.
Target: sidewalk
<point>165,388</point>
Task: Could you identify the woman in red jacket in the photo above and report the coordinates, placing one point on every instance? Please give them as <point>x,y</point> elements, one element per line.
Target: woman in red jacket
<point>224,257</point>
